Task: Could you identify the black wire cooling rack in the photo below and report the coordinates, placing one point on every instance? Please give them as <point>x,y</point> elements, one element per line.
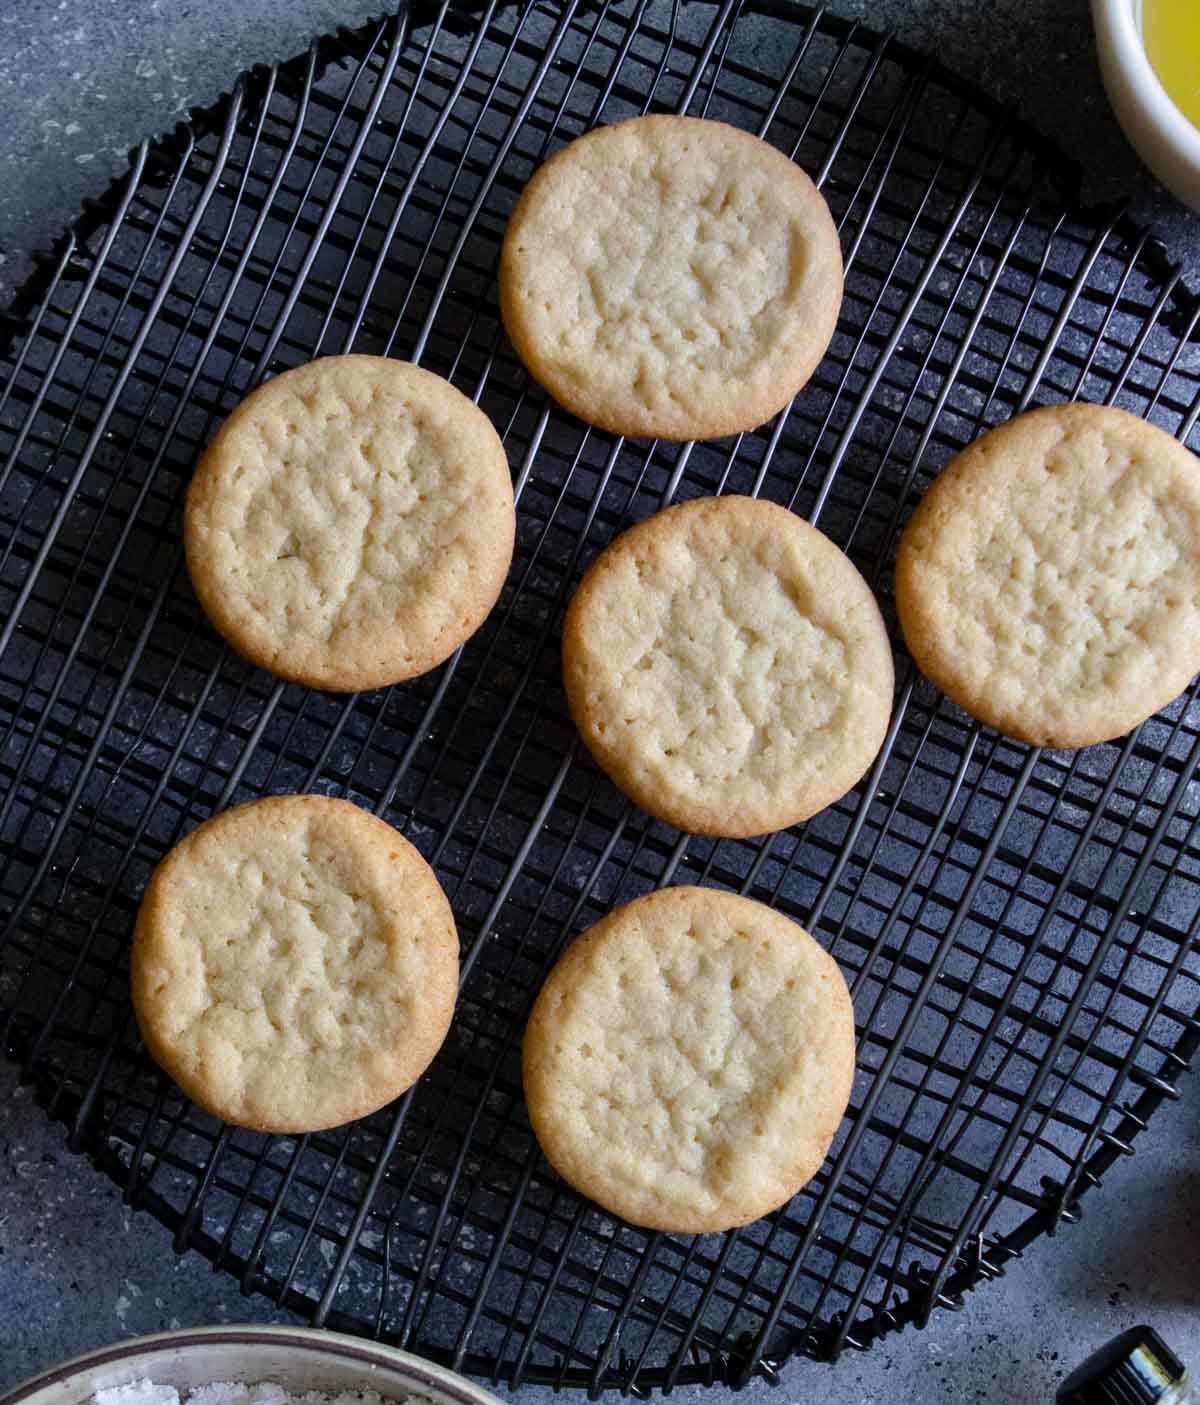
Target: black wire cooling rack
<point>1018,926</point>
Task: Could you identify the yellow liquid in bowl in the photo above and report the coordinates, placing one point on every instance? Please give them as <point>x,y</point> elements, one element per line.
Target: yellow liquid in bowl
<point>1171,32</point>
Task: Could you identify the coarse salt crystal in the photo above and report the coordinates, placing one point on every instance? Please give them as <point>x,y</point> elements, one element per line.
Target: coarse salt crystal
<point>138,1393</point>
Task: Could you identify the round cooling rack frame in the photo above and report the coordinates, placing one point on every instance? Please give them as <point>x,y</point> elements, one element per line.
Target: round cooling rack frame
<point>1018,926</point>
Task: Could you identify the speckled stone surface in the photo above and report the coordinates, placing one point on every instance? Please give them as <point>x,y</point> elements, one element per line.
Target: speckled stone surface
<point>81,81</point>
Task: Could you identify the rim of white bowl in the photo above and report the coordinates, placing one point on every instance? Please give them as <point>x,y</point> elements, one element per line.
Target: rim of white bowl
<point>1158,104</point>
<point>316,1340</point>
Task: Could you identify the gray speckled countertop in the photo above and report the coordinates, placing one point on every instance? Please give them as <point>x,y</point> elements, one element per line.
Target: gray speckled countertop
<point>80,82</point>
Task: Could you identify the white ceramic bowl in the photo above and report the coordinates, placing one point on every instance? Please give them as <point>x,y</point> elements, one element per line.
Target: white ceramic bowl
<point>299,1358</point>
<point>1160,134</point>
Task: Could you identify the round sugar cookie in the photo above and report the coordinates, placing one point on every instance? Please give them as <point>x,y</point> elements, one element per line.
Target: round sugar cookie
<point>671,277</point>
<point>689,1059</point>
<point>728,667</point>
<point>295,964</point>
<point>351,524</point>
<point>1049,580</point>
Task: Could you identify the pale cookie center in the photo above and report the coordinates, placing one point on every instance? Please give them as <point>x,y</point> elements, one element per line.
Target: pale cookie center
<point>1090,587</point>
<point>685,273</point>
<point>681,1059</point>
<point>726,677</point>
<point>283,967</point>
<point>339,519</point>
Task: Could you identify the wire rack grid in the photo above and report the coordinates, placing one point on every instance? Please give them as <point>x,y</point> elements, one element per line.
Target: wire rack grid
<point>1018,926</point>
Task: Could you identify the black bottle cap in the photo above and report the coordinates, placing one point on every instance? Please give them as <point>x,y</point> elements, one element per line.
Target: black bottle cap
<point>1135,1368</point>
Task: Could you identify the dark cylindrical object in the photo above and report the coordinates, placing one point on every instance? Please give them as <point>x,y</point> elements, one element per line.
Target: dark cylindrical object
<point>1136,1368</point>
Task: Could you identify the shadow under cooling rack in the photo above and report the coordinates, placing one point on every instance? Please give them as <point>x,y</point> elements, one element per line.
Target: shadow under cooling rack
<point>1018,927</point>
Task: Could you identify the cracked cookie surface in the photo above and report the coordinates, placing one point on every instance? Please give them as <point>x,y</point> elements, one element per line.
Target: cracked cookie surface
<point>689,1059</point>
<point>728,667</point>
<point>295,964</point>
<point>351,524</point>
<point>671,277</point>
<point>1049,580</point>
